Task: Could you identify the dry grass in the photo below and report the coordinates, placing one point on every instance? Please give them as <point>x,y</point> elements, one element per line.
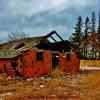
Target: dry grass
<point>90,63</point>
<point>58,72</point>
<point>84,85</point>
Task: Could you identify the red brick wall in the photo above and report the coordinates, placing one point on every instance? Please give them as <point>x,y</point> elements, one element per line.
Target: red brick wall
<point>36,68</point>
<point>70,66</point>
<point>31,67</point>
<point>7,62</point>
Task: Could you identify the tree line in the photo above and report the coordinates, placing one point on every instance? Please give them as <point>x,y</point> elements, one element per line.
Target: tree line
<point>86,36</point>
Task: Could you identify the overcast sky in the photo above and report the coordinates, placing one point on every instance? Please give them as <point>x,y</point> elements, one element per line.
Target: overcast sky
<point>39,17</point>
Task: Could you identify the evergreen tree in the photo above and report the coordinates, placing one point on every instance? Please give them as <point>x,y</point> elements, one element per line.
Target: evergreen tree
<point>98,39</point>
<point>93,22</point>
<point>93,35</point>
<point>77,35</point>
<point>99,24</point>
<point>86,37</point>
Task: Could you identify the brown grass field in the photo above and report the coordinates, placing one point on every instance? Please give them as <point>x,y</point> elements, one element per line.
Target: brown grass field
<point>90,63</point>
<point>84,85</point>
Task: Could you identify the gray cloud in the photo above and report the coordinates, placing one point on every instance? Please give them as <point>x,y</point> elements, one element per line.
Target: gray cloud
<point>38,17</point>
<point>32,7</point>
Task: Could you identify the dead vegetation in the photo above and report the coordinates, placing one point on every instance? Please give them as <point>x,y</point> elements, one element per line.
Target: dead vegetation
<point>57,86</point>
<point>90,63</point>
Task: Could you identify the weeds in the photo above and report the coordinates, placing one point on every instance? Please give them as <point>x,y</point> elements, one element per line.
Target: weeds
<point>84,85</point>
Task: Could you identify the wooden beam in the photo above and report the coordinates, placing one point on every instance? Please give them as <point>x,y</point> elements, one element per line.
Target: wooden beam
<point>51,33</point>
<point>59,36</point>
<point>53,38</point>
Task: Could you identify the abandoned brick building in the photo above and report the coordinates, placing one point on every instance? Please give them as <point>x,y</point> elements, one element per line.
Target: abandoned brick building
<point>38,56</point>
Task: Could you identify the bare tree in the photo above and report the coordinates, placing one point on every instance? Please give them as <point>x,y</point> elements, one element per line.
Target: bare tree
<point>17,35</point>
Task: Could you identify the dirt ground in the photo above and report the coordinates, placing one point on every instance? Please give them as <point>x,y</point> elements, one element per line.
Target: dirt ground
<point>84,85</point>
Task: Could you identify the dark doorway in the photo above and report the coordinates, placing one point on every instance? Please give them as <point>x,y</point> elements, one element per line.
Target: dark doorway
<point>14,64</point>
<point>55,60</point>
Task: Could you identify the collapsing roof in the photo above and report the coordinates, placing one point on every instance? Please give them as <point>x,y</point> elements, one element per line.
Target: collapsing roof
<point>14,48</point>
<point>9,49</point>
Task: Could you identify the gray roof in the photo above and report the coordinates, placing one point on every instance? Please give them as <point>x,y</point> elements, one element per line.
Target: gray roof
<point>14,48</point>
